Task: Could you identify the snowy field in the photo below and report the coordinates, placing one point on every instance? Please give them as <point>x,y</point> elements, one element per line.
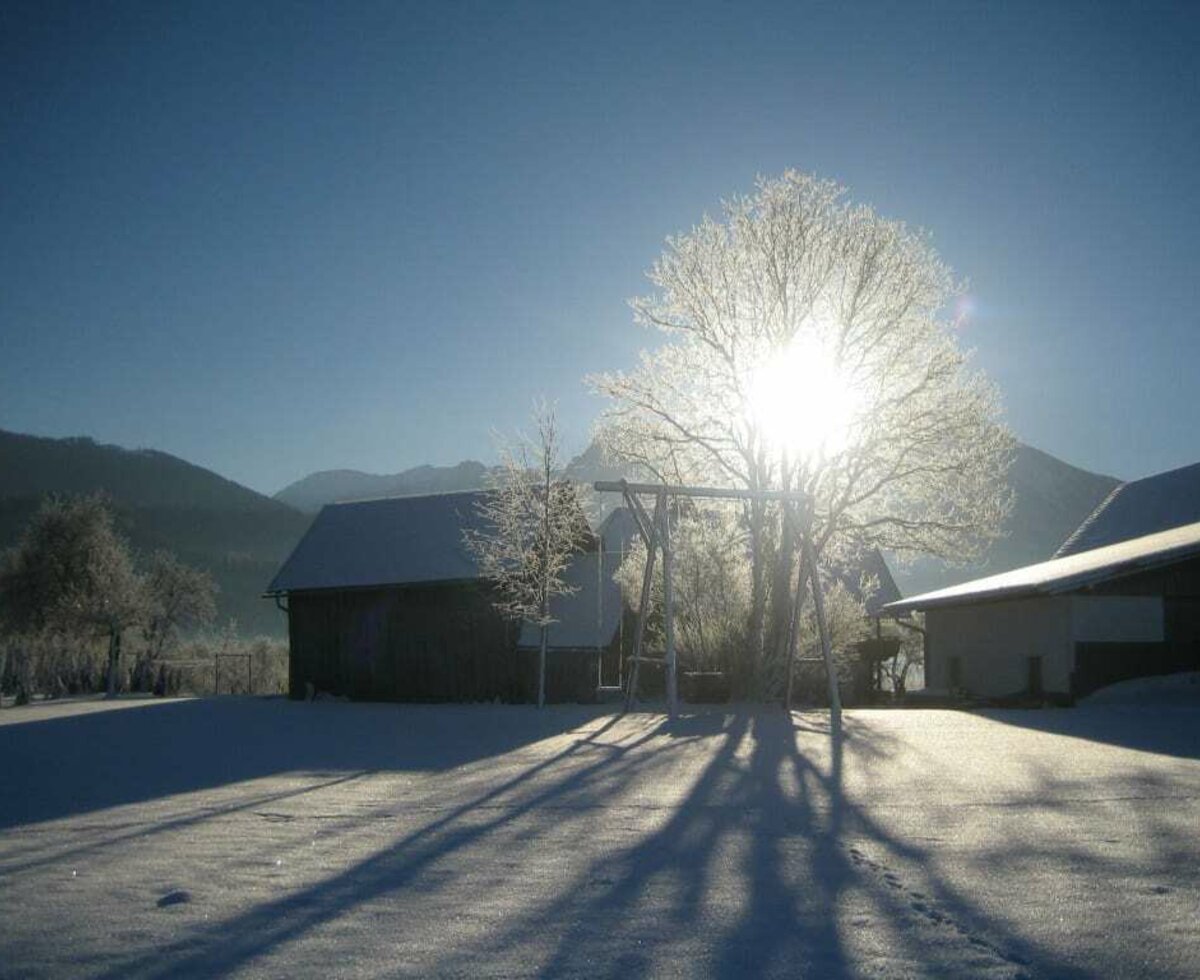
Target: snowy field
<point>268,838</point>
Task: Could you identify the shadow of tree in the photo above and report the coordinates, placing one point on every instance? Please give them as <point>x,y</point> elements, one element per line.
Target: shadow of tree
<point>63,766</point>
<point>775,840</point>
<point>762,867</point>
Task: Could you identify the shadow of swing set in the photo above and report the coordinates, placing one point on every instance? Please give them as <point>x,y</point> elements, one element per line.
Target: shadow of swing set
<point>655,530</point>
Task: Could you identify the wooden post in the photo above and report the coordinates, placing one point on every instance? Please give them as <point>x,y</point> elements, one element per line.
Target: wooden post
<point>668,605</point>
<point>643,605</point>
<point>794,629</point>
<point>835,697</point>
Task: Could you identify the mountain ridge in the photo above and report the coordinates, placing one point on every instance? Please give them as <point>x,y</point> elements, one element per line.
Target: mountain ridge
<point>161,501</point>
<point>310,493</point>
<point>1052,497</point>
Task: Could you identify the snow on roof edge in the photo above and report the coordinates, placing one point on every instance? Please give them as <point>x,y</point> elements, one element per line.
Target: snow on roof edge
<point>1067,573</point>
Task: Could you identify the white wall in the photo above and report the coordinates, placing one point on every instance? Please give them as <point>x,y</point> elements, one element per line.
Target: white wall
<point>995,640</point>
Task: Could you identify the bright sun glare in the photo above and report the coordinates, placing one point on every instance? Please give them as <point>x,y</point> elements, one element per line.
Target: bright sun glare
<point>801,403</point>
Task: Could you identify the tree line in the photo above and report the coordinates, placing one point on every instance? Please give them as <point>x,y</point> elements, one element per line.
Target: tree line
<point>74,598</point>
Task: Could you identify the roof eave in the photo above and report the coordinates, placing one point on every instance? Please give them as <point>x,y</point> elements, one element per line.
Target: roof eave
<point>374,587</point>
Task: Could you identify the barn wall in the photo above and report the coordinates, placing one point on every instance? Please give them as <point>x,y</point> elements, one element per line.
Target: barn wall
<point>439,643</point>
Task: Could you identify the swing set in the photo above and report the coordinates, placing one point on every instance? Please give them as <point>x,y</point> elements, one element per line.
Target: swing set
<point>655,529</point>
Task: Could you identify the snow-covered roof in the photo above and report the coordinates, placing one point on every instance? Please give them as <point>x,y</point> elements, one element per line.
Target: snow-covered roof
<point>1069,573</point>
<point>589,618</point>
<point>1140,507</point>
<point>390,541</point>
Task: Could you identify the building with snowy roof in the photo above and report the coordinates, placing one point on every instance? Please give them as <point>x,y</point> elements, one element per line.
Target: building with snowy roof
<point>385,602</point>
<point>1069,625</point>
<point>1138,508</point>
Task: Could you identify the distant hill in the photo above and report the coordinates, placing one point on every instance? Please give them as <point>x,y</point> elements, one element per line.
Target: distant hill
<point>1052,499</point>
<point>312,492</point>
<point>161,501</point>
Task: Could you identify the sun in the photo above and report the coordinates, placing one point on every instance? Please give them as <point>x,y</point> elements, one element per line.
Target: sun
<point>801,403</point>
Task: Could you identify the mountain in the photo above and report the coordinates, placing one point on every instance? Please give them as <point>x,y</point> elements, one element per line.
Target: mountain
<point>312,492</point>
<point>1051,499</point>
<point>161,501</point>
<point>242,537</point>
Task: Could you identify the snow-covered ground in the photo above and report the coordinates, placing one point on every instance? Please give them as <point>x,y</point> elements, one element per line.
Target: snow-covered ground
<point>1183,688</point>
<point>270,838</point>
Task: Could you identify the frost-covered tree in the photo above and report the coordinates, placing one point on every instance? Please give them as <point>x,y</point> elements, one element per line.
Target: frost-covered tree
<point>711,587</point>
<point>909,662</point>
<point>809,344</point>
<point>177,596</point>
<point>531,523</point>
<point>845,619</point>
<point>72,573</point>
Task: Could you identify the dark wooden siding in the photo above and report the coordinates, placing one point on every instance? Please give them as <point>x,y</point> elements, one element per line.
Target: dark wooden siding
<point>438,643</point>
<point>1181,579</point>
<point>1100,664</point>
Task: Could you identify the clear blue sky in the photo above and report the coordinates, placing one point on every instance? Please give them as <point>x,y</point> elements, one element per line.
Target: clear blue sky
<point>273,239</point>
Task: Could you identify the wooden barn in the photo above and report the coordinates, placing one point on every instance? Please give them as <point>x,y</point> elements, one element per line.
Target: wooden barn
<point>1071,625</point>
<point>384,603</point>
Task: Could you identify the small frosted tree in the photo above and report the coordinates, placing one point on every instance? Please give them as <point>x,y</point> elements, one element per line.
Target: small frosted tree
<point>711,583</point>
<point>73,574</point>
<point>845,621</point>
<point>177,597</point>
<point>531,523</point>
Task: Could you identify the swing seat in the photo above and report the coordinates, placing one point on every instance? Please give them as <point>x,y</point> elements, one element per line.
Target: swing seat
<point>704,687</point>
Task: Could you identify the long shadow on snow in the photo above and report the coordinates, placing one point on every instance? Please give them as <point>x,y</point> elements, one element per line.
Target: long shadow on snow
<point>802,852</point>
<point>44,851</point>
<point>224,947</point>
<point>78,764</point>
<point>1159,728</point>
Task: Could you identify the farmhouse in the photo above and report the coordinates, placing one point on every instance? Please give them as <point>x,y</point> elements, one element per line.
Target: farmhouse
<point>1069,625</point>
<point>385,603</point>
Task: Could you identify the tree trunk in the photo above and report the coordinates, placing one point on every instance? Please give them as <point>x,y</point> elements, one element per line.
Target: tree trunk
<point>114,660</point>
<point>758,593</point>
<point>781,594</point>
<point>668,611</point>
<point>542,665</point>
<point>794,634</point>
